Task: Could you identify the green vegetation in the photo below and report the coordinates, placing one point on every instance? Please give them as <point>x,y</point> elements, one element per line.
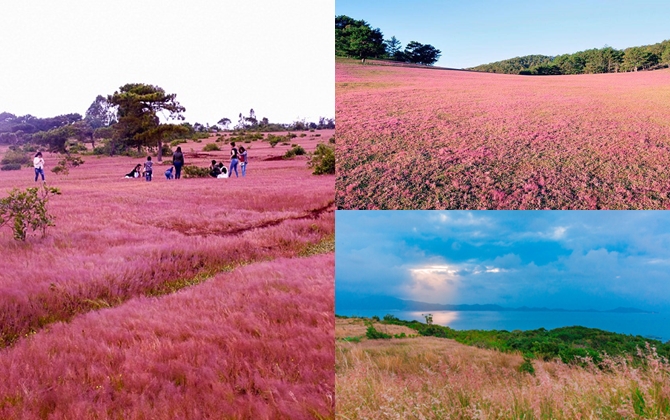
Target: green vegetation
<point>15,156</point>
<point>356,38</point>
<point>64,165</point>
<point>296,150</point>
<point>192,171</point>
<point>27,209</point>
<point>10,167</point>
<point>373,334</point>
<point>211,147</point>
<point>323,160</point>
<point>567,343</point>
<point>603,60</point>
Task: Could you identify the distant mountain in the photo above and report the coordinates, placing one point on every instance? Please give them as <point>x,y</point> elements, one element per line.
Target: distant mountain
<point>344,301</point>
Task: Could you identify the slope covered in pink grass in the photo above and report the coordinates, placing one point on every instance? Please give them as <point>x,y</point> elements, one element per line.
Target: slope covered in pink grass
<point>191,298</point>
<point>437,139</point>
<point>253,343</point>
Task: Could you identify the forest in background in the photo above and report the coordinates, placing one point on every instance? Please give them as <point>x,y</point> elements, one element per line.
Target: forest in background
<point>596,60</point>
<point>357,39</point>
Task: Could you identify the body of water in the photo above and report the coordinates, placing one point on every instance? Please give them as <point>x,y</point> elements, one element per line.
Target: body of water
<point>656,325</point>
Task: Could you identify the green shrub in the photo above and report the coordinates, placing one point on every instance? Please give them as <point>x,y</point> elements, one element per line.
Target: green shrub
<point>373,334</point>
<point>323,160</point>
<point>303,135</point>
<point>527,366</point>
<point>317,135</point>
<point>166,150</point>
<point>297,150</point>
<point>15,156</point>
<point>331,140</point>
<point>177,142</point>
<point>211,147</point>
<point>10,167</point>
<point>27,209</point>
<point>192,171</point>
<point>354,339</point>
<point>64,165</point>
<point>274,140</point>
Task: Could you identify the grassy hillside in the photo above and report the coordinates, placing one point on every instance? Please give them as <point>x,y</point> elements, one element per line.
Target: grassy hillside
<point>421,377</point>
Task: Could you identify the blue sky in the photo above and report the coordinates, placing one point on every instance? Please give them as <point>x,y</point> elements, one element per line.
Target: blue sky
<point>560,259</point>
<point>476,32</point>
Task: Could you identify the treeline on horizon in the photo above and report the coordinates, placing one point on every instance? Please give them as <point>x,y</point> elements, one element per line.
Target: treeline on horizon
<point>603,60</point>
<point>357,39</point>
<point>129,119</point>
<point>566,343</point>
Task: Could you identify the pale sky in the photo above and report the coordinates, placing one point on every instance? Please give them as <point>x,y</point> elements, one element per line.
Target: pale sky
<point>220,57</point>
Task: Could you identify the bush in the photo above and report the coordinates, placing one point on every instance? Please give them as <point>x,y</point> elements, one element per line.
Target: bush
<point>192,171</point>
<point>527,366</point>
<point>166,150</point>
<point>373,334</point>
<point>211,147</point>
<point>27,209</point>
<point>323,160</point>
<point>177,142</point>
<point>274,140</point>
<point>331,140</point>
<point>66,163</point>
<point>15,156</point>
<point>297,150</point>
<point>303,135</point>
<point>10,167</point>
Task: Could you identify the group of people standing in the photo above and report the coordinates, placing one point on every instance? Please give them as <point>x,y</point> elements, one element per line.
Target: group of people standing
<point>217,170</point>
<point>237,157</point>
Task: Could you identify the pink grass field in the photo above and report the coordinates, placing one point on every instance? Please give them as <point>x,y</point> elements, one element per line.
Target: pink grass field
<point>120,241</point>
<point>256,343</point>
<point>438,139</point>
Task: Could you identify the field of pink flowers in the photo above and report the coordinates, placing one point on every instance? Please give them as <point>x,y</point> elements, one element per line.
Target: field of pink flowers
<point>254,343</point>
<point>124,246</point>
<point>438,139</point>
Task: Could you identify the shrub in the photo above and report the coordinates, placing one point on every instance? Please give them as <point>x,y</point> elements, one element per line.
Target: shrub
<point>527,366</point>
<point>323,160</point>
<point>373,334</point>
<point>64,165</point>
<point>10,167</point>
<point>211,147</point>
<point>303,135</point>
<point>274,140</point>
<point>192,171</point>
<point>331,140</point>
<point>27,209</point>
<point>354,339</point>
<point>166,150</point>
<point>15,156</point>
<point>297,150</point>
<point>177,142</point>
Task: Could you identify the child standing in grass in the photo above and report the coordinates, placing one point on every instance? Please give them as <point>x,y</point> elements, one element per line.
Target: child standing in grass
<point>38,163</point>
<point>243,160</point>
<point>148,168</point>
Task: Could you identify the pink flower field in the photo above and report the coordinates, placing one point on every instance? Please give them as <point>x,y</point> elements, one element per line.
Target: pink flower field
<point>186,298</point>
<point>440,139</point>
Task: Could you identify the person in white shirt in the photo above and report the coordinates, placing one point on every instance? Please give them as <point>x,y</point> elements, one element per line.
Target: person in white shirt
<point>38,163</point>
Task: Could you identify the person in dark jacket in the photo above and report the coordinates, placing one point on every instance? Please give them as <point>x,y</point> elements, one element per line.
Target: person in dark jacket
<point>178,162</point>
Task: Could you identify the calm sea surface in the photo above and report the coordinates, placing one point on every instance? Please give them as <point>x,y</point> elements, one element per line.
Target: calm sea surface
<point>655,325</point>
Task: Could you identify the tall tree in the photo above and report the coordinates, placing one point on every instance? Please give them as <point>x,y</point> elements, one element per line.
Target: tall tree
<point>393,48</point>
<point>101,113</point>
<point>418,53</point>
<point>138,107</point>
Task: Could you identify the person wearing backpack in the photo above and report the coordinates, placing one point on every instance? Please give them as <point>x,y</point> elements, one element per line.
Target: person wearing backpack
<point>234,160</point>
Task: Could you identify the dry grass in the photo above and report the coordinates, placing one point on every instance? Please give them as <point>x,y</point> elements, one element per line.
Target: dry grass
<point>433,378</point>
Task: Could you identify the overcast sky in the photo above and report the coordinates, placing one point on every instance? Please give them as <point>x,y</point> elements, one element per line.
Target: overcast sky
<point>220,57</point>
<point>559,259</point>
<point>476,32</point>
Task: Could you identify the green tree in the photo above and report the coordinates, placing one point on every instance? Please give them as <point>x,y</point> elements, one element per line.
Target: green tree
<point>393,49</point>
<point>355,38</point>
<point>27,209</point>
<point>138,124</point>
<point>418,53</point>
